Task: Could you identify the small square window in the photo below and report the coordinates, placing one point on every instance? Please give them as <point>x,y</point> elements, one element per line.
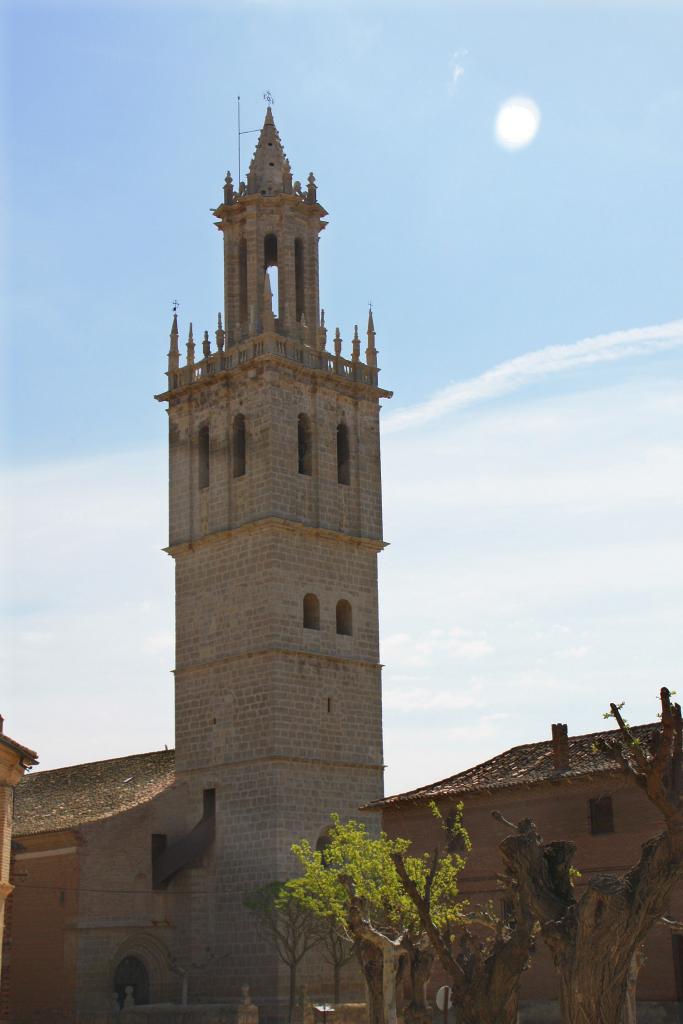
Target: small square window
<point>601,815</point>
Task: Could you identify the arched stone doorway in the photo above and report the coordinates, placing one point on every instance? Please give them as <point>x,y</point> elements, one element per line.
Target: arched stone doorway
<point>131,976</point>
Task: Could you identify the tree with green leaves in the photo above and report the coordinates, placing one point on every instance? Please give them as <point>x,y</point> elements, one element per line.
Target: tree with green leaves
<point>354,882</point>
<point>595,939</point>
<point>291,926</point>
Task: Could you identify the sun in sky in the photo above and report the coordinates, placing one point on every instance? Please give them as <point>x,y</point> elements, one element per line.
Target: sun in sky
<point>517,122</point>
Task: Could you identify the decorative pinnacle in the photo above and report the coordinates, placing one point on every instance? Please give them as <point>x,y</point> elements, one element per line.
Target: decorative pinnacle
<point>220,335</point>
<point>371,351</point>
<point>312,191</point>
<point>228,190</point>
<point>206,345</point>
<point>174,352</point>
<point>337,342</point>
<point>355,354</point>
<point>190,347</point>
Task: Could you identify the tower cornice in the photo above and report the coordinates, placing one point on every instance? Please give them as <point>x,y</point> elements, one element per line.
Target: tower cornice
<point>246,204</point>
<point>269,523</point>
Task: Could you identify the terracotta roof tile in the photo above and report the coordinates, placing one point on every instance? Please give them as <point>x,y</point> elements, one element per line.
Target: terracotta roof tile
<point>526,765</point>
<point>68,797</point>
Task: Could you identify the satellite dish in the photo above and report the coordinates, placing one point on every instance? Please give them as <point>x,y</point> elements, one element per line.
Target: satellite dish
<point>445,994</point>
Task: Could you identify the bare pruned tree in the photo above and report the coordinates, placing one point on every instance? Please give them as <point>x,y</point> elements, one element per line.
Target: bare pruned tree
<point>595,939</point>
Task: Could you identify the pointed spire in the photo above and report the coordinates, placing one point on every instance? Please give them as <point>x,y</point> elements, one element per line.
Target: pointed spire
<point>356,345</point>
<point>337,342</point>
<point>268,317</point>
<point>322,333</point>
<point>371,351</point>
<point>269,172</point>
<point>174,351</point>
<point>190,347</point>
<point>206,345</point>
<point>220,335</point>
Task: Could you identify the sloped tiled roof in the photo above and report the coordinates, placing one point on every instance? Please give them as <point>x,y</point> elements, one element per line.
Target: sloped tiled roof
<point>68,797</point>
<point>27,755</point>
<point>526,765</point>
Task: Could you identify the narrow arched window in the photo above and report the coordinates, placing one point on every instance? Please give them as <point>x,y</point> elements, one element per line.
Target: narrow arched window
<point>203,457</point>
<point>311,612</point>
<point>344,618</point>
<point>343,460</point>
<point>305,445</point>
<point>239,446</point>
<point>244,309</point>
<point>299,277</point>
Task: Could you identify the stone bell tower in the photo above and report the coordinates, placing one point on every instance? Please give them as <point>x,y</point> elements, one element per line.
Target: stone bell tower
<point>275,527</point>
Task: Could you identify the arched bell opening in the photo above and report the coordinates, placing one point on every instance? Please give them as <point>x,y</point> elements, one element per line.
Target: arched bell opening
<point>270,267</point>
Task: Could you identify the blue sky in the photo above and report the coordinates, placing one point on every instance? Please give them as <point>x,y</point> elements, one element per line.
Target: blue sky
<point>536,564</point>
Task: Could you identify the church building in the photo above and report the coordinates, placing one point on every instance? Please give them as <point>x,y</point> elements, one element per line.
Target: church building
<point>131,873</point>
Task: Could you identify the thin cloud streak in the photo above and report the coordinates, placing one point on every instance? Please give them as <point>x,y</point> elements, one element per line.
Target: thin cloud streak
<point>514,374</point>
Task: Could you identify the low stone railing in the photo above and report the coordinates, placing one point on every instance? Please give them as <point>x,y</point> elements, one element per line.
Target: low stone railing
<point>275,345</point>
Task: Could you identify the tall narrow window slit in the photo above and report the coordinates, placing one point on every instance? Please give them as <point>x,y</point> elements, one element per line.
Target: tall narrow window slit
<point>343,456</point>
<point>239,446</point>
<point>305,445</point>
<point>203,457</point>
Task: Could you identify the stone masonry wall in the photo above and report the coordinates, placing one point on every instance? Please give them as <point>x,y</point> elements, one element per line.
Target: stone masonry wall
<point>283,721</point>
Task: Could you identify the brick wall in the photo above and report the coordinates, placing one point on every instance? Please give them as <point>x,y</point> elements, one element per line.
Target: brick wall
<point>42,974</point>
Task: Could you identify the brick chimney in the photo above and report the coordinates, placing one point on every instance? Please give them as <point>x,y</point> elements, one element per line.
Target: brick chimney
<point>560,747</point>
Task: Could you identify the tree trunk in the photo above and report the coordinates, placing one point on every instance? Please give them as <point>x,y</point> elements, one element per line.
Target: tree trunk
<point>629,1015</point>
<point>593,939</point>
<point>419,968</point>
<point>482,1005</point>
<point>337,982</point>
<point>372,965</point>
<point>292,992</point>
<point>598,984</point>
<point>390,965</point>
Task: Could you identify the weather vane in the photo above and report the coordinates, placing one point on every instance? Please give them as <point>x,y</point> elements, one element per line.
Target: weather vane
<point>268,97</point>
<point>175,305</point>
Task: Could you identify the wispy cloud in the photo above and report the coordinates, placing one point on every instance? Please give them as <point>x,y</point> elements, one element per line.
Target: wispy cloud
<point>421,698</point>
<point>457,69</point>
<point>514,374</point>
<point>416,651</point>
